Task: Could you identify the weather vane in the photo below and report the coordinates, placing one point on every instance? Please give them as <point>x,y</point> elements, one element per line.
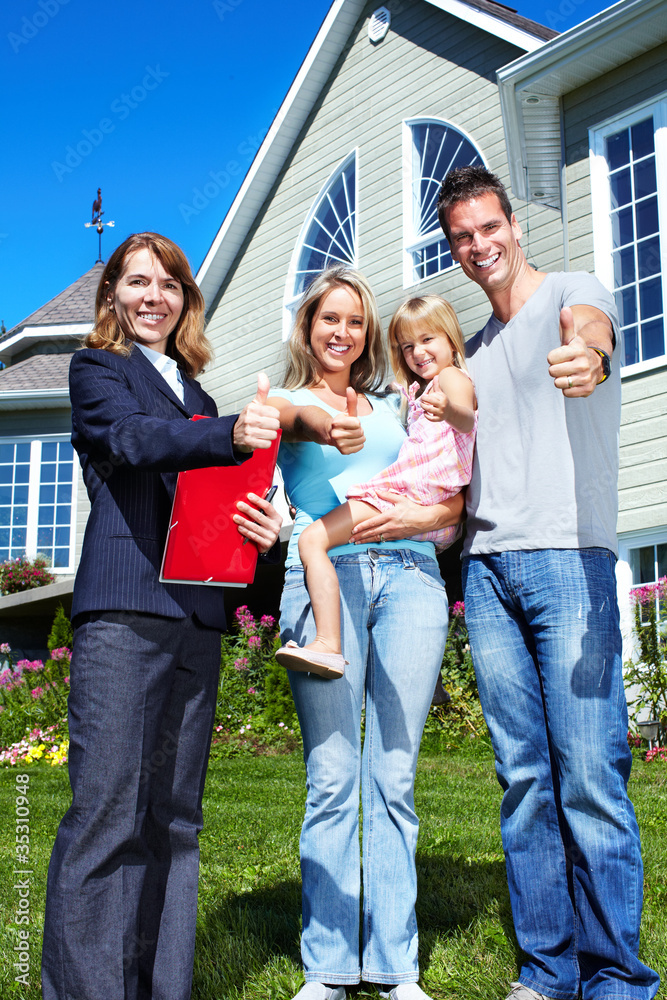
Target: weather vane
<point>97,221</point>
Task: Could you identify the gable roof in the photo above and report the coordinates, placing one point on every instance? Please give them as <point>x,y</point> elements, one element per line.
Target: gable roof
<point>69,314</point>
<point>531,88</point>
<point>494,18</point>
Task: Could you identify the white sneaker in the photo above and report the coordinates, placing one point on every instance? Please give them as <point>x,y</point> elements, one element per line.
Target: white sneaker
<point>318,991</point>
<point>406,991</point>
<point>520,992</point>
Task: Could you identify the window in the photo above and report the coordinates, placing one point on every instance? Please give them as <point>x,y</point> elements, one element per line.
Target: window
<point>432,148</point>
<point>628,156</point>
<point>328,236</point>
<point>37,500</point>
<point>648,564</point>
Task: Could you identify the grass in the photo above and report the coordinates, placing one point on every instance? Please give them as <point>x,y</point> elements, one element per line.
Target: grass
<point>249,914</point>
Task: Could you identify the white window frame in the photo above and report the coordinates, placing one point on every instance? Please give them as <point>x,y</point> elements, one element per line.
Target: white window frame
<point>34,483</point>
<point>290,300</point>
<point>626,542</point>
<point>412,241</point>
<point>601,202</point>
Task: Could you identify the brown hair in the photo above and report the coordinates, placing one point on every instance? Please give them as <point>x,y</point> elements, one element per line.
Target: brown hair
<point>466,183</point>
<point>438,316</point>
<point>187,344</point>
<point>368,373</point>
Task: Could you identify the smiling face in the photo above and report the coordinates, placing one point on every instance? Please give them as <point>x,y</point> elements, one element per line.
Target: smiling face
<point>147,301</point>
<point>337,331</point>
<point>485,242</point>
<point>425,353</point>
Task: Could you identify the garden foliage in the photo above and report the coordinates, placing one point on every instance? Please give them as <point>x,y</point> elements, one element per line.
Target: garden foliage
<point>21,574</point>
<point>648,674</point>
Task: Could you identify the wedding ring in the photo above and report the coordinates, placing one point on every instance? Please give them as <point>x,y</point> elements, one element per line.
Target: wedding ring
<point>381,539</point>
<point>569,381</point>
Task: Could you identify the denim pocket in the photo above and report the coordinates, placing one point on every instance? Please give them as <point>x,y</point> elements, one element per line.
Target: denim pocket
<point>294,577</point>
<point>429,574</point>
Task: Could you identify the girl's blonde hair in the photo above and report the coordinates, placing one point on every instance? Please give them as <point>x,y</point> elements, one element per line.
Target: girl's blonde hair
<point>369,372</point>
<point>187,343</point>
<point>430,312</point>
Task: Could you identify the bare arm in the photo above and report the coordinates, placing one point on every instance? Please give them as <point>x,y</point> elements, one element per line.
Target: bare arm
<point>575,366</point>
<point>311,423</point>
<point>407,518</point>
<point>452,398</point>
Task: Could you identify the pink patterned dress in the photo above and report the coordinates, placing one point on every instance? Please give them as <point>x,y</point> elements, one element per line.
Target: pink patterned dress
<point>434,463</point>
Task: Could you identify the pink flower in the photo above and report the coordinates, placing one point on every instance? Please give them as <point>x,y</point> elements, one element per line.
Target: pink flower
<point>251,691</point>
<point>62,653</point>
<point>30,665</point>
<point>37,692</point>
<point>241,663</point>
<point>267,621</point>
<point>254,642</point>
<point>649,592</point>
<point>458,608</point>
<point>5,648</point>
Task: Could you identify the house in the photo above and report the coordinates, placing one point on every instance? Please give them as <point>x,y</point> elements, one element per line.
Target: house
<point>43,505</point>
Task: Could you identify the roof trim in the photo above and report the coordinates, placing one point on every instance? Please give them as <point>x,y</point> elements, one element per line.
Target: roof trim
<point>34,399</point>
<point>32,334</point>
<point>531,88</point>
<point>311,77</point>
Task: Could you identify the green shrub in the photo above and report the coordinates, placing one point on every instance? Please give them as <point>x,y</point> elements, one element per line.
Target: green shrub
<point>462,717</point>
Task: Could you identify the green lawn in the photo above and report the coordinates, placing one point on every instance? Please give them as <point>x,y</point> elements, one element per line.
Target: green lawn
<point>248,937</point>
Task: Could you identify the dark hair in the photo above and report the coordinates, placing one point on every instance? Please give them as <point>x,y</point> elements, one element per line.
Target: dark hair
<point>466,183</point>
<point>187,343</point>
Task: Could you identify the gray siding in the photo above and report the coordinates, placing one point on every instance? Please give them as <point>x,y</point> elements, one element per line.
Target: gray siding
<point>429,64</point>
<point>643,474</point>
<point>33,424</point>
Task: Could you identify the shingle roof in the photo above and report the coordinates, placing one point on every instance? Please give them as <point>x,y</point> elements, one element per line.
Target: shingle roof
<point>42,371</point>
<point>510,15</point>
<point>76,304</point>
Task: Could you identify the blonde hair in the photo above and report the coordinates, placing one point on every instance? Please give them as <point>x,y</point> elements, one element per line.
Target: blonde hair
<point>433,313</point>
<point>187,343</point>
<point>368,373</point>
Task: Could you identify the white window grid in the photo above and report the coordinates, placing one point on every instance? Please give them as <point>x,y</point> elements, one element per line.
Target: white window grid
<point>38,499</point>
<point>328,235</point>
<point>431,148</point>
<point>628,250</point>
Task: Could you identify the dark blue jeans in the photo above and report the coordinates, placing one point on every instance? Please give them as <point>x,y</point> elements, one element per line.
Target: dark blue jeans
<point>121,899</point>
<point>546,643</point>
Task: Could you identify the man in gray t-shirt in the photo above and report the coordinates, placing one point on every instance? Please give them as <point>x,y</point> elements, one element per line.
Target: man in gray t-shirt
<point>540,604</point>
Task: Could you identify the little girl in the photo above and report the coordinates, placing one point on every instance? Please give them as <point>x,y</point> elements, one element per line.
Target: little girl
<point>434,463</point>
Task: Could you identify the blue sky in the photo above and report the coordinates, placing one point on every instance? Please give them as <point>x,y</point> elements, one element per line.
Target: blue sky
<point>162,105</point>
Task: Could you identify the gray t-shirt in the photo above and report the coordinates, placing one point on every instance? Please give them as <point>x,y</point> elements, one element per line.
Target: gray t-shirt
<point>546,466</point>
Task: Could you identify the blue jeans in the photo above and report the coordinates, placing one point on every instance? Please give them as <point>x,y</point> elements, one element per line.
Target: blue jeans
<point>545,639</point>
<point>394,627</point>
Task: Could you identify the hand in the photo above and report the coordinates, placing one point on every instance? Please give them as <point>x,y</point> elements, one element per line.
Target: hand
<point>257,424</point>
<point>574,367</point>
<point>403,520</point>
<point>261,526</point>
<point>435,402</point>
<point>345,432</point>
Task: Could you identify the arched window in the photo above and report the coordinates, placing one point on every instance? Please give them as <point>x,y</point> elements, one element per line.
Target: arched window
<point>328,236</point>
<point>432,148</point>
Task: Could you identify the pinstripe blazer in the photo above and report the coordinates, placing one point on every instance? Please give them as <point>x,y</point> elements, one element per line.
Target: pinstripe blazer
<point>133,436</point>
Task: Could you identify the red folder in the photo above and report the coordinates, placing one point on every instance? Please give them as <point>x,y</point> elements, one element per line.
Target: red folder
<point>204,544</point>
